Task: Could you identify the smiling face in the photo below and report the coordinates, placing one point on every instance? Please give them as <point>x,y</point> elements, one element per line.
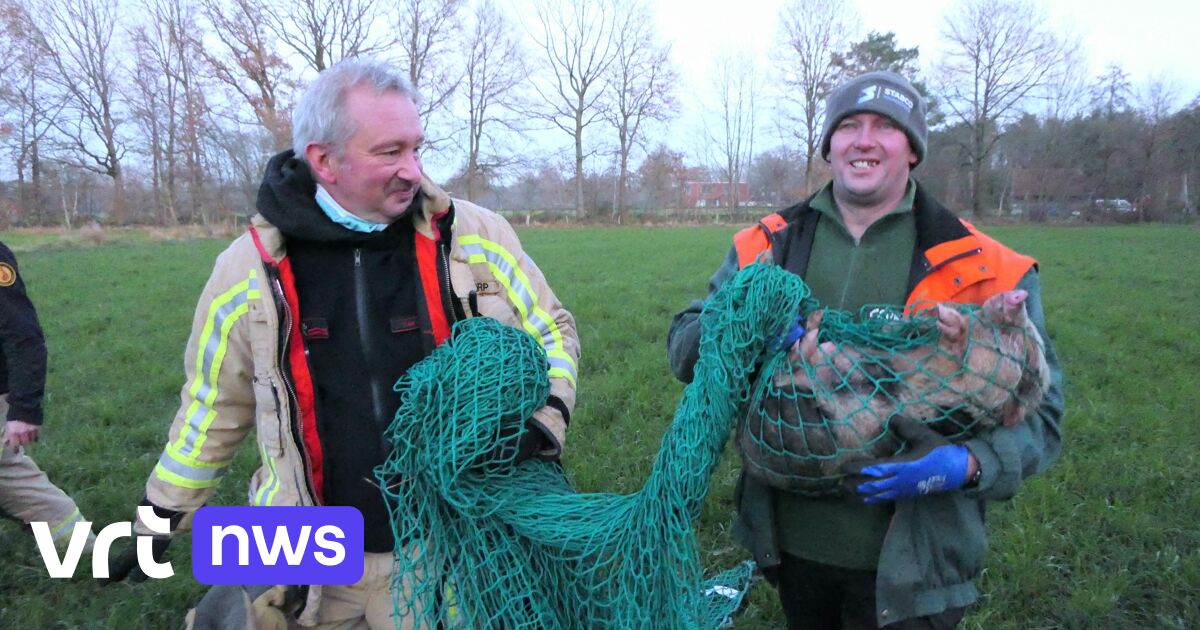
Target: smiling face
<point>871,159</point>
<point>378,173</point>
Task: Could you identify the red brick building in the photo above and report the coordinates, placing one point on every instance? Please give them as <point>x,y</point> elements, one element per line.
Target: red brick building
<point>713,194</point>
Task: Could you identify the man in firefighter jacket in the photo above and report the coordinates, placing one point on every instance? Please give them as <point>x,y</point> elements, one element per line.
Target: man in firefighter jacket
<point>895,552</point>
<point>26,494</point>
<point>355,268</point>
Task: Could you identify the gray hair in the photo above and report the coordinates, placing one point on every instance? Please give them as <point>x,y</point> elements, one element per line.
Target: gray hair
<point>320,115</point>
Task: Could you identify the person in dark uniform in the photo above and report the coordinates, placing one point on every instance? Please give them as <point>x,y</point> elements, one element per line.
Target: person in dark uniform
<point>26,493</point>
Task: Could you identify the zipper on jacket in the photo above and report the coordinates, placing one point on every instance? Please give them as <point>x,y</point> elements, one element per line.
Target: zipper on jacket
<point>364,337</point>
<point>279,424</point>
<point>848,275</point>
<point>290,389</point>
<point>447,290</point>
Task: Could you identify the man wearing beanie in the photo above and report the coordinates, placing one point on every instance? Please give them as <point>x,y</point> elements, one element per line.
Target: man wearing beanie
<point>904,544</point>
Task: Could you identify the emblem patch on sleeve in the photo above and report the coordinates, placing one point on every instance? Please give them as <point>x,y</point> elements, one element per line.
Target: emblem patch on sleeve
<point>8,275</point>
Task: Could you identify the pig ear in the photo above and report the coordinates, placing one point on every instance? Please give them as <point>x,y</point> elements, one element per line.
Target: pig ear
<point>951,323</point>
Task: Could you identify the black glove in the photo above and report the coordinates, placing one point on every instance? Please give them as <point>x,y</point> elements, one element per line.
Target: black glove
<point>771,575</point>
<point>510,453</point>
<point>125,566</point>
<point>931,465</point>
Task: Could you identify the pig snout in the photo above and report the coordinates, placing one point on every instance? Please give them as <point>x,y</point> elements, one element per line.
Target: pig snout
<point>1015,298</point>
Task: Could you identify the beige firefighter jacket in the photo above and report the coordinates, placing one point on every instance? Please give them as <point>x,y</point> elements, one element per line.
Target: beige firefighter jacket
<point>235,382</point>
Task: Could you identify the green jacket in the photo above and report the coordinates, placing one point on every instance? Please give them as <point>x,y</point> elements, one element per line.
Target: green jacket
<point>935,545</point>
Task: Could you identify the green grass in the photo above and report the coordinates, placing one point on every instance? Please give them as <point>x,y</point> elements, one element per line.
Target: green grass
<point>1108,538</point>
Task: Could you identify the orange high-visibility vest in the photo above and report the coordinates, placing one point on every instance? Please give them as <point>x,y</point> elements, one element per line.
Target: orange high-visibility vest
<point>967,270</point>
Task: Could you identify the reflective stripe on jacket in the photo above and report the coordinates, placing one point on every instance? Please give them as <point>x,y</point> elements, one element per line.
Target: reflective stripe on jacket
<point>245,363</point>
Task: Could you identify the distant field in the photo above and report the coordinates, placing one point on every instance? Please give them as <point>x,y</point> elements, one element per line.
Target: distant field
<point>1107,539</point>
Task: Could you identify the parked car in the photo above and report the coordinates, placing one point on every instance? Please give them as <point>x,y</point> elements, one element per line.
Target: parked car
<point>1112,211</point>
<point>1121,206</point>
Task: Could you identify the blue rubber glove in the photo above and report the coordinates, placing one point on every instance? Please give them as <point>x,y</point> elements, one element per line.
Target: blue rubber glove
<point>931,465</point>
<point>788,339</point>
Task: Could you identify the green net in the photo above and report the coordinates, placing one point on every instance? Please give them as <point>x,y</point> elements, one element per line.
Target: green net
<point>481,544</point>
<point>961,369</point>
<point>484,544</point>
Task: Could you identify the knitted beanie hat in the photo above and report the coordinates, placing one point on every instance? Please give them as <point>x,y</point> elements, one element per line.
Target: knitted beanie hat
<point>884,93</point>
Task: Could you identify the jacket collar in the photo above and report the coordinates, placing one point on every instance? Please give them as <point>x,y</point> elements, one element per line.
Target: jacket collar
<point>935,224</point>
<point>941,236</point>
<point>937,227</point>
<point>432,205</point>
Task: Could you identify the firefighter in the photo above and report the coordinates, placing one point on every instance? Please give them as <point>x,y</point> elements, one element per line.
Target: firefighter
<point>355,268</point>
<point>26,493</point>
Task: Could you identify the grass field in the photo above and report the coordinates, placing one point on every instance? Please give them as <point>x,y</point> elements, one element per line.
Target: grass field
<point>1109,538</point>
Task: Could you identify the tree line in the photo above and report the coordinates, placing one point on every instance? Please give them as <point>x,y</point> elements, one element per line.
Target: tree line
<point>164,111</point>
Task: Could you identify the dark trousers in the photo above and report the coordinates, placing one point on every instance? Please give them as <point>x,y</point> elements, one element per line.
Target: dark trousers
<point>816,596</point>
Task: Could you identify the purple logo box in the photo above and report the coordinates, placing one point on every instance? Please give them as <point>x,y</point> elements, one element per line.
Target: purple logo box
<point>277,545</point>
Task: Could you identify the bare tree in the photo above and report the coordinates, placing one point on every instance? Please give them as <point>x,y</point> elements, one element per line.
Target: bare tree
<point>735,85</point>
<point>235,171</point>
<point>643,82</point>
<point>152,96</point>
<point>814,31</point>
<point>249,64</point>
<point>13,21</point>
<point>428,31</point>
<point>190,66</point>
<point>495,68</point>
<point>324,32</point>
<point>1000,54</point>
<point>1067,96</point>
<point>578,38</point>
<point>79,34</point>
<point>31,108</point>
<point>1157,102</point>
<point>168,103</point>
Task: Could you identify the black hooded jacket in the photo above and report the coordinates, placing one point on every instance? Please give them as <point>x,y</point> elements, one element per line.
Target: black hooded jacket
<point>22,345</point>
<point>364,323</point>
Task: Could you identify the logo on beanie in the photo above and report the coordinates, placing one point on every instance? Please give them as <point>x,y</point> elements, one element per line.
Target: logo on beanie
<point>872,92</point>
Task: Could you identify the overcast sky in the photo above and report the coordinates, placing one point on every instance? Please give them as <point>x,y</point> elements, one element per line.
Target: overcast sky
<point>1145,37</point>
<point>1149,39</point>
